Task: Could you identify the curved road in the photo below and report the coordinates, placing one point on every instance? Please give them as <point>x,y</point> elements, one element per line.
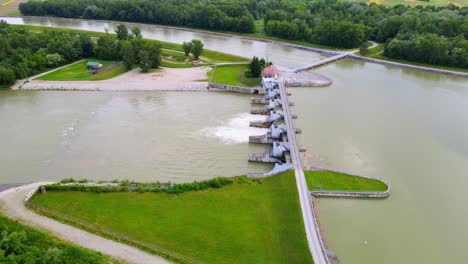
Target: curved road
<point>13,207</point>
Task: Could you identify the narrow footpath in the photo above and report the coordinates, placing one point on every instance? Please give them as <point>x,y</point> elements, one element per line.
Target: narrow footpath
<point>12,206</point>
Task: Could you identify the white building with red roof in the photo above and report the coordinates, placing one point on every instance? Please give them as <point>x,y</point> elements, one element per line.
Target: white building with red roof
<point>270,72</point>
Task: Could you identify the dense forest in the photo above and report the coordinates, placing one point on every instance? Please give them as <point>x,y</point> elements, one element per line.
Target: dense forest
<point>435,35</point>
<point>23,53</point>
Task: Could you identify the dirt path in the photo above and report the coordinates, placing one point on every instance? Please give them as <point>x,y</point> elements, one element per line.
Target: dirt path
<point>164,79</point>
<point>12,206</point>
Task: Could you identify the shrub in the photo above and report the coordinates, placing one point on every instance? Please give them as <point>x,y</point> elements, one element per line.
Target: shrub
<point>67,180</point>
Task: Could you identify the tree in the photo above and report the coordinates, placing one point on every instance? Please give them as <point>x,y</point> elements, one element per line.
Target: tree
<point>136,33</point>
<point>54,60</point>
<point>138,44</point>
<point>262,63</point>
<point>87,46</point>
<point>53,256</point>
<point>127,54</point>
<point>122,32</point>
<point>7,76</point>
<point>187,46</point>
<point>154,50</point>
<point>197,48</point>
<point>255,67</point>
<point>363,49</point>
<point>145,62</point>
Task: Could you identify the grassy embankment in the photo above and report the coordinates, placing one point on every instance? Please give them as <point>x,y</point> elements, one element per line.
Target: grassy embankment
<point>378,53</point>
<point>329,180</point>
<point>233,75</point>
<point>20,244</point>
<point>249,221</point>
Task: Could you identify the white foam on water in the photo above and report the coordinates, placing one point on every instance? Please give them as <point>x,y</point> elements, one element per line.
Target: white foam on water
<point>235,130</point>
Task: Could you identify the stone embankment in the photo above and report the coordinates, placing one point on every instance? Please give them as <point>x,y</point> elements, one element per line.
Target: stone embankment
<point>351,194</point>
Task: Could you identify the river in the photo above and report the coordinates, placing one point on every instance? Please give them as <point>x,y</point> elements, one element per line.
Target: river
<point>405,126</point>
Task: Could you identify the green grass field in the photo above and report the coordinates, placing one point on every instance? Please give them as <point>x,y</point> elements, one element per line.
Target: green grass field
<point>79,72</point>
<point>23,244</point>
<point>341,182</point>
<point>250,222</point>
<point>231,75</point>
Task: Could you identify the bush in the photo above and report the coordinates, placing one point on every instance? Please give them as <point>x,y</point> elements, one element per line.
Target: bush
<point>67,180</point>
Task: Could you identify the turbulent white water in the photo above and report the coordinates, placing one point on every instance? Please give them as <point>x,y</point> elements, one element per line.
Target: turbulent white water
<point>235,130</point>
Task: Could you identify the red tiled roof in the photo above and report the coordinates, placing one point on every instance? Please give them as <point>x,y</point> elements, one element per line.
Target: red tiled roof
<point>270,71</point>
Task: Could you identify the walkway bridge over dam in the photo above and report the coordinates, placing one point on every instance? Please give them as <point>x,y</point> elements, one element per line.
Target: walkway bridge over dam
<point>323,62</point>
<point>285,153</point>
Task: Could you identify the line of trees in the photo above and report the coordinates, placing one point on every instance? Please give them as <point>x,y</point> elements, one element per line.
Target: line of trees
<point>231,15</point>
<point>23,54</point>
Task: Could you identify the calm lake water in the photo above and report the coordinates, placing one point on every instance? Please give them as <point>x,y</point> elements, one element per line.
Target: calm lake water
<point>405,126</point>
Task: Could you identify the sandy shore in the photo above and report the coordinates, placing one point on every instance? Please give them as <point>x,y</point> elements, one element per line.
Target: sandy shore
<point>12,206</point>
<point>164,79</point>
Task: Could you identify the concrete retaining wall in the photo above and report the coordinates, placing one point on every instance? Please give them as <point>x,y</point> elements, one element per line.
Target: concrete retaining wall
<point>350,194</point>
<point>230,88</point>
<point>31,194</point>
